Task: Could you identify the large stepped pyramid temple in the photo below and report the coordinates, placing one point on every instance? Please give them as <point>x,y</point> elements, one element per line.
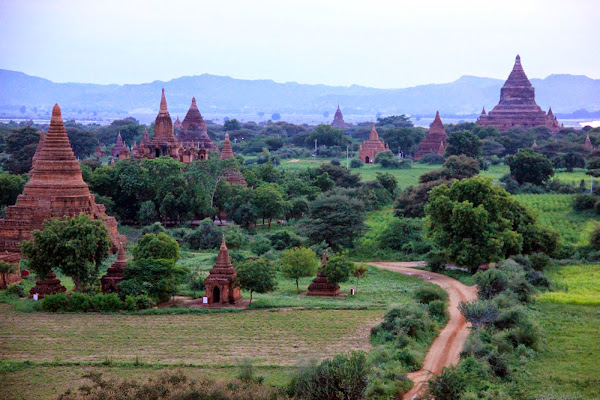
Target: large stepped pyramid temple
<point>517,107</point>
<point>55,189</point>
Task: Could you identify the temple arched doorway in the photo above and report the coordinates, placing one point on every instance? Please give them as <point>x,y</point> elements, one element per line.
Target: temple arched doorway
<point>216,298</point>
<point>157,152</point>
<point>367,160</point>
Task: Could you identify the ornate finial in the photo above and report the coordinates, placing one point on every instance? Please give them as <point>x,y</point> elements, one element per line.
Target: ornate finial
<point>223,245</point>
<point>324,259</point>
<point>121,253</point>
<point>194,100</point>
<point>437,113</point>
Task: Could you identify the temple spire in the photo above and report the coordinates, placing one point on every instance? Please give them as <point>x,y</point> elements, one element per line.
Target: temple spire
<point>373,135</point>
<point>163,101</point>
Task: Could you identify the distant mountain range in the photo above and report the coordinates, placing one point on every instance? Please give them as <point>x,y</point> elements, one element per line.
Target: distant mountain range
<point>223,95</point>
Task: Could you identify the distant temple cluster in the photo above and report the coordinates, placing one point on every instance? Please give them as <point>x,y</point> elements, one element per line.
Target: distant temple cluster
<point>192,144</point>
<point>517,107</point>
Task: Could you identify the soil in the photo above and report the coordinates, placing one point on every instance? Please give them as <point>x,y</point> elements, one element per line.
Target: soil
<point>446,348</point>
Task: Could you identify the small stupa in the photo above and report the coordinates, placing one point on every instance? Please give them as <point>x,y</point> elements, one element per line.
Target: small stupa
<point>98,152</point>
<point>220,284</point>
<point>233,175</point>
<point>114,275</point>
<point>50,285</point>
<point>588,143</point>
<point>320,286</point>
<point>116,150</point>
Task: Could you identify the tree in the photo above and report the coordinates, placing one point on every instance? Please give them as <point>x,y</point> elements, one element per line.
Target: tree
<point>336,219</point>
<point>528,166</point>
<point>479,312</point>
<point>338,269</point>
<point>245,215</point>
<point>470,221</point>
<point>327,135</point>
<point>298,262</point>
<point>83,142</point>
<point>232,125</point>
<point>257,276</point>
<point>388,181</point>
<point>12,186</point>
<point>156,246</point>
<point>269,201</point>
<point>276,116</point>
<point>360,271</point>
<point>75,245</point>
<point>463,142</point>
<point>20,146</point>
<point>5,270</point>
<point>157,278</point>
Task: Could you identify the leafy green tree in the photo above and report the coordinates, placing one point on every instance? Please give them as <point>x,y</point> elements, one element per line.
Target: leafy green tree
<point>327,135</point>
<point>397,121</point>
<point>83,142</point>
<point>529,167</point>
<point>269,200</point>
<point>338,269</point>
<point>257,276</point>
<point>5,270</point>
<point>12,186</point>
<point>232,125</point>
<point>156,246</point>
<point>157,278</point>
<point>388,181</point>
<point>463,142</point>
<point>336,219</point>
<point>360,271</point>
<point>147,213</point>
<point>298,262</point>
<point>245,215</point>
<point>75,245</point>
<point>324,182</point>
<point>20,146</point>
<point>470,222</point>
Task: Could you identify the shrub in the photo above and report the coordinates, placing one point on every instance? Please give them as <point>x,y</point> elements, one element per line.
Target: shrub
<point>15,290</point>
<point>595,238</point>
<point>54,302</point>
<point>431,158</point>
<point>583,202</point>
<point>539,261</point>
<point>130,304</point>
<point>438,310</point>
<point>412,320</point>
<point>284,239</point>
<point>79,302</point>
<point>260,245</point>
<point>536,278</point>
<point>107,302</point>
<point>144,302</point>
<point>449,385</point>
<point>343,377</point>
<point>154,228</point>
<point>205,236</point>
<point>490,283</point>
<point>246,372</point>
<point>429,293</point>
<point>235,237</point>
<point>356,163</point>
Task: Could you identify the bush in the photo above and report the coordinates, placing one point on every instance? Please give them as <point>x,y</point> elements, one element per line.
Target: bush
<point>15,290</point>
<point>285,239</point>
<point>54,302</point>
<point>205,236</point>
<point>412,320</point>
<point>79,302</point>
<point>438,310</point>
<point>154,228</point>
<point>583,202</point>
<point>595,238</point>
<point>107,302</point>
<point>539,261</point>
<point>429,293</point>
<point>490,283</point>
<point>260,245</point>
<point>356,163</point>
<point>431,158</point>
<point>343,377</point>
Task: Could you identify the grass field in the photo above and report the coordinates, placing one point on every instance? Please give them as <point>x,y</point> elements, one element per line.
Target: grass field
<point>556,211</point>
<point>568,363</point>
<point>575,284</point>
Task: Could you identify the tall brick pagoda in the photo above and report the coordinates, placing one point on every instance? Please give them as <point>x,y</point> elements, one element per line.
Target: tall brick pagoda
<point>193,129</point>
<point>371,147</point>
<point>220,284</point>
<point>233,175</point>
<point>116,150</point>
<point>55,189</point>
<point>338,119</point>
<point>164,142</point>
<point>517,107</point>
<point>435,141</point>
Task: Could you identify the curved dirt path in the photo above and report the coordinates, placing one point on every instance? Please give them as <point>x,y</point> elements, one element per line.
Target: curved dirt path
<point>445,349</point>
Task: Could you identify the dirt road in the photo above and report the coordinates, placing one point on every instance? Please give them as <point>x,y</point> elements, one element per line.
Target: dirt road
<point>446,348</point>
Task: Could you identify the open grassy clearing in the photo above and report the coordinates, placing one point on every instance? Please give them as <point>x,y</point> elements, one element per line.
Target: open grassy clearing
<point>568,362</point>
<point>270,338</point>
<point>574,284</point>
<point>556,211</point>
<point>21,381</point>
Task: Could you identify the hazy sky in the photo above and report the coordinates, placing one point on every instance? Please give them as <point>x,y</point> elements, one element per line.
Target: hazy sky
<point>368,42</point>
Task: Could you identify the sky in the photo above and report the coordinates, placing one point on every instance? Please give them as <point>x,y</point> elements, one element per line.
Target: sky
<point>383,44</point>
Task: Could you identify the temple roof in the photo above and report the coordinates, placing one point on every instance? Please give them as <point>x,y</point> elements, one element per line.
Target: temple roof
<point>227,151</point>
<point>373,134</point>
<point>193,120</point>
<point>517,77</point>
<point>163,125</point>
<point>437,125</point>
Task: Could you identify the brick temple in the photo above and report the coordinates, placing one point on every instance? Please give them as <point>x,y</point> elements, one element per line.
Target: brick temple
<point>435,141</point>
<point>338,119</point>
<point>233,175</point>
<point>116,150</point>
<point>220,284</point>
<point>371,147</point>
<point>320,286</point>
<point>517,107</point>
<point>55,189</point>
<point>194,131</point>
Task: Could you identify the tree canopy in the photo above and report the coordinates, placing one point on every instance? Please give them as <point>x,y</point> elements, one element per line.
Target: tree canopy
<point>529,167</point>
